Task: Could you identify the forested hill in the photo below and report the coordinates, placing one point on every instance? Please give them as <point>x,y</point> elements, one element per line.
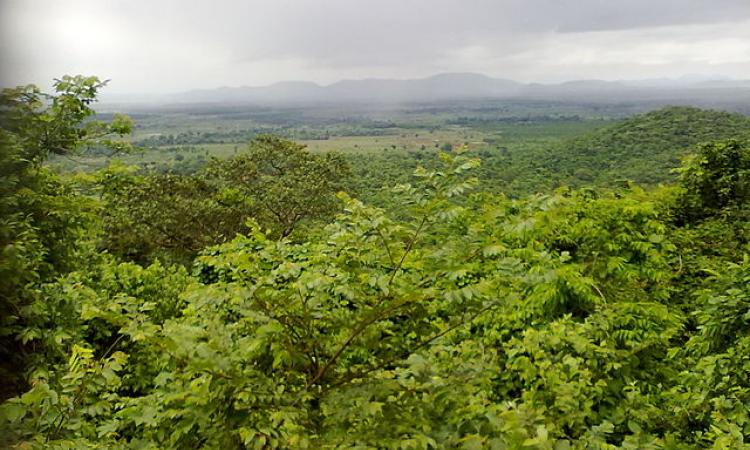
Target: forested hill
<point>643,148</point>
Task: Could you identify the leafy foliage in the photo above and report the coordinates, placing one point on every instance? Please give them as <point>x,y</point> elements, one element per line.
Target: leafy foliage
<point>43,222</point>
<point>166,216</point>
<point>642,148</point>
<point>716,180</point>
<point>276,182</point>
<point>287,184</point>
<point>574,319</point>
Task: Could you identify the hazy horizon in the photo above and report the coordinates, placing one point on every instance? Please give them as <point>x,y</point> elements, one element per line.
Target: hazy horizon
<point>673,83</point>
<point>686,78</point>
<point>172,46</point>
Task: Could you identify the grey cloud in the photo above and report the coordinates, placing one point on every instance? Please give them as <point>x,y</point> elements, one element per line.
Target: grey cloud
<point>158,45</point>
<point>633,14</point>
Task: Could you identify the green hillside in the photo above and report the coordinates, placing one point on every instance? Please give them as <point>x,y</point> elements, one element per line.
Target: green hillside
<point>643,148</point>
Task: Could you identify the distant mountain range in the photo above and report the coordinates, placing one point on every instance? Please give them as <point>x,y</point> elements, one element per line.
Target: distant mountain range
<point>449,86</point>
<point>460,86</point>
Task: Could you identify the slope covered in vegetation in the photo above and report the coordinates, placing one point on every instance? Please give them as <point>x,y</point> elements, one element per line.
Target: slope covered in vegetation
<point>643,148</point>
<point>461,319</point>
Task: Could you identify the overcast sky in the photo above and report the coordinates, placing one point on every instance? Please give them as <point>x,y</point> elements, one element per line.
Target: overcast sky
<point>173,45</point>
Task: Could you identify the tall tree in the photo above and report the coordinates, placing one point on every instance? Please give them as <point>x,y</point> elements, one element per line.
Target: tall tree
<point>41,218</point>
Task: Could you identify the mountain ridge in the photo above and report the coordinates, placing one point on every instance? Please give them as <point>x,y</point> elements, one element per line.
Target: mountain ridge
<point>455,86</point>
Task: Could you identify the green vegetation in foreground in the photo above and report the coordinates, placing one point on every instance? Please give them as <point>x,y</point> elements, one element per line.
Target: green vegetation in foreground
<point>457,318</point>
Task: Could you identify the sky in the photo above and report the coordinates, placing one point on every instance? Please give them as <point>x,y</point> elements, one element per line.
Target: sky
<point>161,46</point>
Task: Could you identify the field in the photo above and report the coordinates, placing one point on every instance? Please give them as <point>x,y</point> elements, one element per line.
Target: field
<point>182,141</point>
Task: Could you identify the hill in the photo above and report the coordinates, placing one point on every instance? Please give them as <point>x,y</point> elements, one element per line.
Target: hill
<point>439,87</point>
<point>727,94</point>
<point>643,148</point>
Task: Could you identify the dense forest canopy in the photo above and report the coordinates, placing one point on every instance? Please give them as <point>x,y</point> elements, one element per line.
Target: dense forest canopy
<point>252,303</point>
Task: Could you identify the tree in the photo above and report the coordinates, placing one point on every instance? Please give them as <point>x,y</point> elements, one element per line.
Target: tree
<point>59,123</point>
<point>42,221</point>
<point>286,184</point>
<point>167,216</point>
<point>276,183</point>
<point>715,179</point>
